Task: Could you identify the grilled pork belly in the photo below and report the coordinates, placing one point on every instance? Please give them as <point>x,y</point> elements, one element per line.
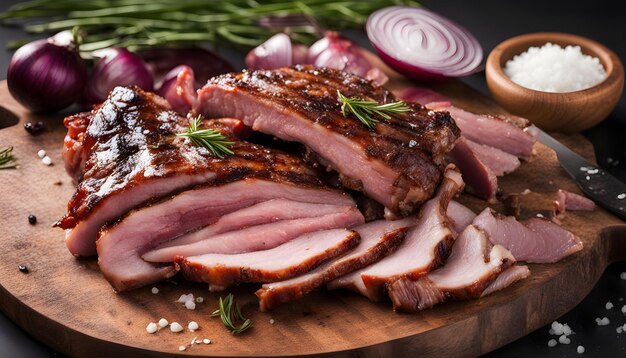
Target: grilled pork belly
<point>424,248</point>
<point>535,240</point>
<point>506,278</point>
<point>73,151</point>
<point>498,161</point>
<point>472,266</point>
<point>566,200</point>
<point>296,257</point>
<point>460,216</point>
<point>481,180</point>
<point>378,238</point>
<point>399,163</point>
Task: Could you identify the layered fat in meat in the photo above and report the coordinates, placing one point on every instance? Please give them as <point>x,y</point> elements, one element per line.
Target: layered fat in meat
<point>378,239</point>
<point>535,240</point>
<point>424,248</point>
<point>294,258</point>
<point>399,163</point>
<point>474,263</point>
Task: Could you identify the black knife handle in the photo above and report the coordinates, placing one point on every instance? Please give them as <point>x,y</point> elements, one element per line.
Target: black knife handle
<point>605,190</point>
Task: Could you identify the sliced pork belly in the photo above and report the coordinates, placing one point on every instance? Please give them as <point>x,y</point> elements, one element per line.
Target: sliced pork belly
<point>530,204</point>
<point>399,163</point>
<point>280,263</point>
<point>507,278</point>
<point>127,154</point>
<point>263,213</point>
<point>498,161</point>
<point>181,95</point>
<point>121,245</point>
<point>537,240</point>
<point>254,238</point>
<point>566,200</point>
<point>425,247</point>
<point>378,238</point>
<point>473,264</point>
<point>481,181</point>
<point>460,216</point>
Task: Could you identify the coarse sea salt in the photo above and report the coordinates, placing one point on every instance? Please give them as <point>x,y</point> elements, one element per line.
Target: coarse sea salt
<point>552,68</point>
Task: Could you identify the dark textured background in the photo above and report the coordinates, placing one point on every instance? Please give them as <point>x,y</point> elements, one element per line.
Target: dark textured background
<point>492,22</point>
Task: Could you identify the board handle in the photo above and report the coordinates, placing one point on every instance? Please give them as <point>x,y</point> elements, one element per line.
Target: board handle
<point>616,237</point>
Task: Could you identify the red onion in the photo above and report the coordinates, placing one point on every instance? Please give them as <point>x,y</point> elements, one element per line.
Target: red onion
<point>421,44</point>
<point>205,64</point>
<point>337,52</point>
<point>273,53</point>
<point>116,67</point>
<point>47,75</point>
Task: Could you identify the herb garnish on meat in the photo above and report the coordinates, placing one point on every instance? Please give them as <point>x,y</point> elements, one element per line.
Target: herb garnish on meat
<point>364,110</point>
<point>208,138</point>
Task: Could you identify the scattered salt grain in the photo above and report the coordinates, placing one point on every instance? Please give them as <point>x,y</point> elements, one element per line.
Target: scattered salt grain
<point>602,321</point>
<point>552,68</point>
<point>199,300</point>
<point>41,153</point>
<point>181,348</point>
<point>193,341</point>
<point>552,343</point>
<point>190,305</point>
<point>185,298</point>
<point>155,290</point>
<point>47,160</point>
<point>580,349</point>
<point>624,309</point>
<point>163,323</point>
<point>272,321</point>
<point>609,305</point>
<point>624,327</point>
<point>193,325</point>
<point>176,327</point>
<point>151,328</point>
<point>567,330</point>
<point>564,340</point>
<point>622,275</point>
<point>206,341</point>
<point>621,196</point>
<point>619,329</point>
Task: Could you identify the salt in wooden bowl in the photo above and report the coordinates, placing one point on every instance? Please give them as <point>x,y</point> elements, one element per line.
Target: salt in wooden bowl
<point>564,112</point>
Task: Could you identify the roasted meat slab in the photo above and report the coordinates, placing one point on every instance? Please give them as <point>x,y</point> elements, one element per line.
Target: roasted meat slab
<point>399,163</point>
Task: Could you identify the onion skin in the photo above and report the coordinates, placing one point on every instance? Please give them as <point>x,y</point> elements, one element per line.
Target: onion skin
<point>274,53</point>
<point>116,67</point>
<point>45,76</point>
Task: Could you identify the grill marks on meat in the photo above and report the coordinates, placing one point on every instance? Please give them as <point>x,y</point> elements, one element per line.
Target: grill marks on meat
<point>134,156</point>
<point>73,151</point>
<point>280,263</point>
<point>472,266</point>
<point>534,240</point>
<point>425,247</point>
<point>399,164</point>
<point>378,239</point>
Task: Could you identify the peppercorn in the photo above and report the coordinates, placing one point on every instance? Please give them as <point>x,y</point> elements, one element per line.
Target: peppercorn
<point>35,128</point>
<point>23,268</point>
<point>32,219</point>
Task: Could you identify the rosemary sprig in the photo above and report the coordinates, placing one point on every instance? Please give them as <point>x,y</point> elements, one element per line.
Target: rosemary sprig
<point>364,110</point>
<point>7,160</point>
<point>229,312</point>
<point>207,138</point>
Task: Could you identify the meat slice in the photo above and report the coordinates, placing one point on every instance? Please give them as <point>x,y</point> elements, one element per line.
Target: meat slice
<point>473,264</point>
<point>481,181</point>
<point>537,240</point>
<point>460,216</point>
<point>566,200</point>
<point>399,163</point>
<point>530,204</point>
<point>73,153</point>
<point>181,95</point>
<point>507,278</point>
<point>254,238</point>
<point>425,247</point>
<point>121,245</point>
<point>378,238</point>
<point>263,213</point>
<point>280,263</point>
<point>498,161</point>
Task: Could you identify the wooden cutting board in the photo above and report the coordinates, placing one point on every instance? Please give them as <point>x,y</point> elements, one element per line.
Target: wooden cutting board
<point>66,303</point>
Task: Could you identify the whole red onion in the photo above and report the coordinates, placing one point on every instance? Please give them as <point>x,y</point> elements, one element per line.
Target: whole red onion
<point>47,75</point>
<point>116,67</point>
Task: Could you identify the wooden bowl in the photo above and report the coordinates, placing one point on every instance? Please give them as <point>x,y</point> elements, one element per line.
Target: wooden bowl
<point>564,112</point>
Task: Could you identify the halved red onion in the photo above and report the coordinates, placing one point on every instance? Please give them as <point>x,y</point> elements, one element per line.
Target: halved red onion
<point>337,52</point>
<point>276,52</point>
<point>422,44</point>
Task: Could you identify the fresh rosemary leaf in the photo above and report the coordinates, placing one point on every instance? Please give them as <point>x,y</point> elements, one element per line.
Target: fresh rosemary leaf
<point>365,110</point>
<point>207,138</point>
<point>230,313</point>
<point>7,160</point>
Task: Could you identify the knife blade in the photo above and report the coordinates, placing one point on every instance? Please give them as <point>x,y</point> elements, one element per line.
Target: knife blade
<point>603,188</point>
